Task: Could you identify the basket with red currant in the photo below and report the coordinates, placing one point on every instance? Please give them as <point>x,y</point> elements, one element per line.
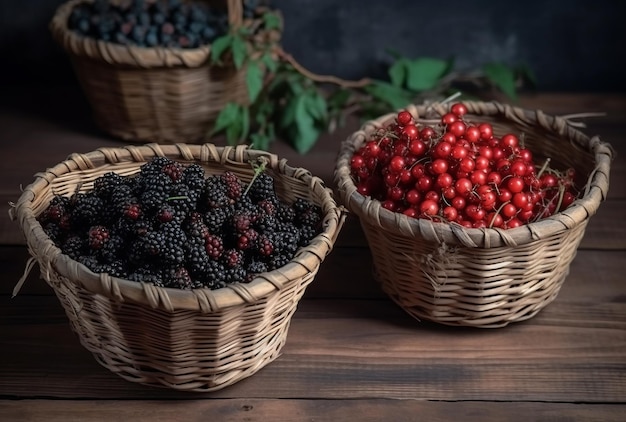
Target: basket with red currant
<point>473,211</point>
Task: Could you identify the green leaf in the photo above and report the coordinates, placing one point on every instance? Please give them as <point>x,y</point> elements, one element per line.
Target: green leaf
<point>226,117</point>
<point>254,80</point>
<point>502,77</point>
<point>424,73</point>
<point>271,21</point>
<point>395,96</point>
<point>220,45</point>
<point>269,62</point>
<point>316,106</point>
<point>306,133</point>
<point>240,51</point>
<point>398,72</point>
<point>288,114</point>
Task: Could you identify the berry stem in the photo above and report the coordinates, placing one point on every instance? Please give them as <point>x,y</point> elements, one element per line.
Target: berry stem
<point>544,167</point>
<point>258,169</point>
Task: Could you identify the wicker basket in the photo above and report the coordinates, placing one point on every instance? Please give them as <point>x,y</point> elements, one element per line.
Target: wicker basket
<point>139,94</point>
<point>193,340</point>
<point>488,277</point>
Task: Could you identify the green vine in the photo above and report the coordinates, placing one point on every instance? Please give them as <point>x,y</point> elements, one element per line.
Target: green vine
<point>286,101</point>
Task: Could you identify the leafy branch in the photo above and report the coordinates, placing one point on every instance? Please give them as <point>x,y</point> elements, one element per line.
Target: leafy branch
<point>287,101</point>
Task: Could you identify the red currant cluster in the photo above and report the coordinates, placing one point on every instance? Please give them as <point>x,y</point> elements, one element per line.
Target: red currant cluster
<point>460,172</point>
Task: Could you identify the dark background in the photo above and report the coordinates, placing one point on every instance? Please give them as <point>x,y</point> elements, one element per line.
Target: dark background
<point>570,45</point>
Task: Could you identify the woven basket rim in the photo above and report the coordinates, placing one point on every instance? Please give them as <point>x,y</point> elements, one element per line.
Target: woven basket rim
<point>581,210</point>
<point>131,55</point>
<point>205,300</point>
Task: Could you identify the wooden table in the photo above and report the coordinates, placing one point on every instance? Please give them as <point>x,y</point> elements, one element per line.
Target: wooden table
<point>351,354</point>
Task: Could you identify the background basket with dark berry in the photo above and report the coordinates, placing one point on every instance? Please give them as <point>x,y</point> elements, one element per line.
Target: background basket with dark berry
<point>480,274</point>
<point>145,66</point>
<point>213,267</point>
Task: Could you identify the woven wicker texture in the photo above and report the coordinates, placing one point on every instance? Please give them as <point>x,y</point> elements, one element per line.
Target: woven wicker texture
<point>481,277</point>
<point>196,340</point>
<point>158,94</point>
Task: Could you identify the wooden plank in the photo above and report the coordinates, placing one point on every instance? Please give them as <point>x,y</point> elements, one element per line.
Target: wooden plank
<point>573,351</point>
<point>251,410</point>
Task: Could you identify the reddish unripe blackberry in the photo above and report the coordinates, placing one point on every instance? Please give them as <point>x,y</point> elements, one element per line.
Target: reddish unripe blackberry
<point>132,211</point>
<point>174,170</point>
<point>234,188</point>
<point>232,258</point>
<point>247,239</point>
<point>98,236</point>
<point>265,247</point>
<point>214,246</point>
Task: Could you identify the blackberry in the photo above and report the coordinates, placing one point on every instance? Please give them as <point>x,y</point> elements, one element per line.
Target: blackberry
<point>277,261</point>
<point>122,197</point>
<point>285,213</point>
<point>174,239</point>
<point>196,257</point>
<point>114,249</point>
<point>154,191</point>
<point>55,232</point>
<point>215,193</point>
<point>255,267</point>
<point>215,276</point>
<point>155,165</point>
<point>146,275</point>
<point>177,277</point>
<point>53,213</point>
<point>105,185</point>
<point>74,246</point>
<point>114,269</point>
<point>90,262</point>
<point>216,217</point>
<point>236,274</point>
<point>182,199</point>
<point>193,178</point>
<point>195,227</point>
<point>266,223</point>
<point>85,210</point>
<point>307,233</point>
<point>167,213</point>
<point>262,187</point>
<point>286,242</point>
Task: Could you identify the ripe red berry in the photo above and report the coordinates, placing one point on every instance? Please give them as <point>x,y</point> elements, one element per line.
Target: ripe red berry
<point>458,109</point>
<point>404,118</point>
